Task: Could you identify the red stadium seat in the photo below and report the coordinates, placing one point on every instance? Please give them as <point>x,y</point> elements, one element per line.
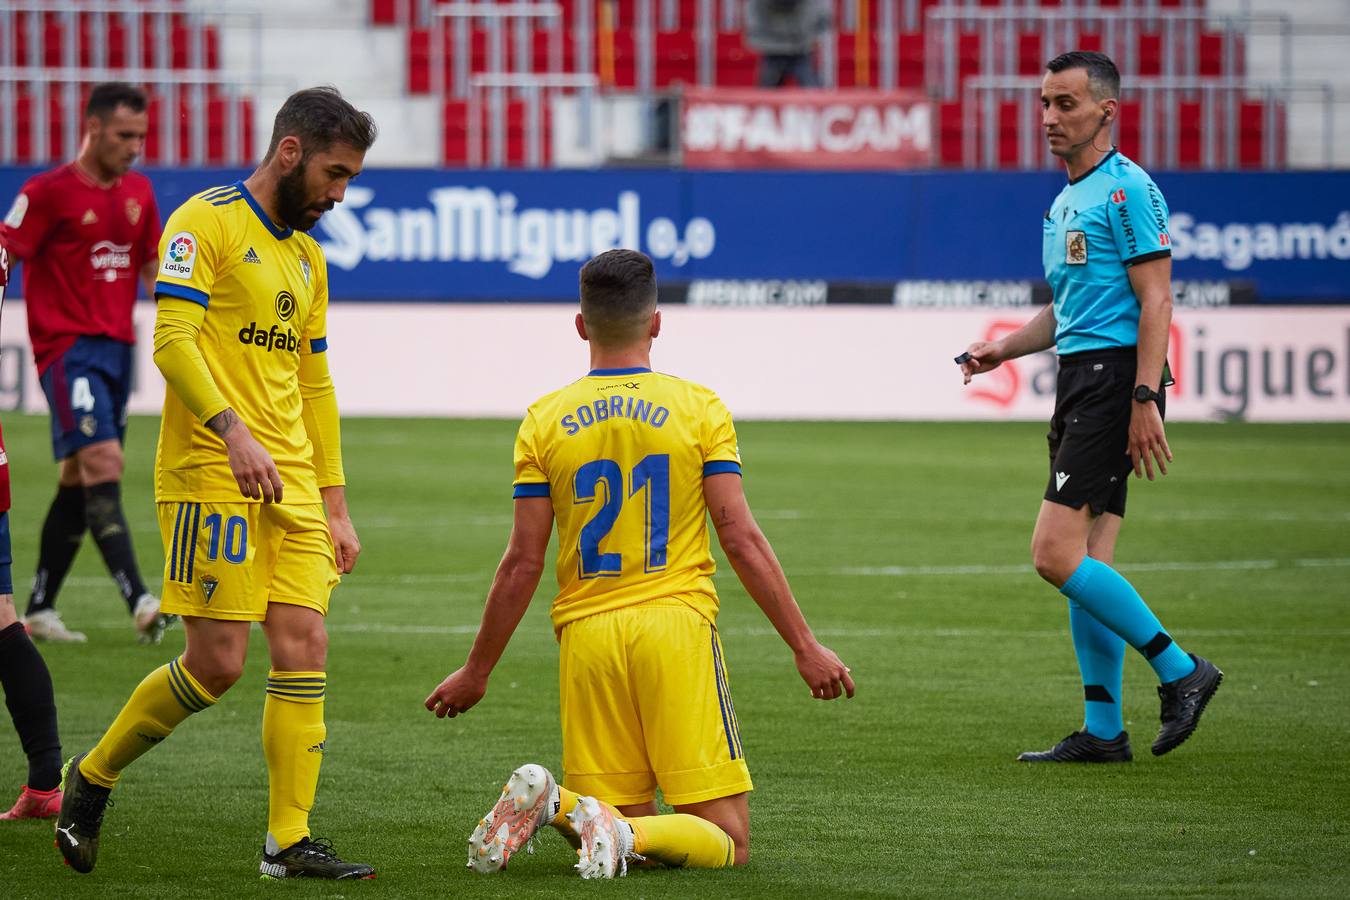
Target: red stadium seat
<point>1030,56</point>
<point>383,12</point>
<point>911,61</point>
<point>1150,53</point>
<point>846,62</point>
<point>455,146</point>
<point>736,62</point>
<point>676,58</point>
<point>950,134</point>
<point>1010,127</point>
<point>1190,150</point>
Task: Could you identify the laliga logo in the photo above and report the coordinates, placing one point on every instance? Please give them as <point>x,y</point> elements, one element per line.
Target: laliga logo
<point>180,249</point>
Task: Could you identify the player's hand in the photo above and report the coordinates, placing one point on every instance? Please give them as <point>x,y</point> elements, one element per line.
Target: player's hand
<point>346,545</point>
<point>985,356</point>
<point>457,694</point>
<point>252,466</point>
<point>824,672</point>
<point>1148,441</point>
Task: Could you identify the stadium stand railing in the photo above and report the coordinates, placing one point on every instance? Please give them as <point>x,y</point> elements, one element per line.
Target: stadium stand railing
<point>52,52</point>
<point>1187,103</point>
<point>1175,123</point>
<point>654,47</point>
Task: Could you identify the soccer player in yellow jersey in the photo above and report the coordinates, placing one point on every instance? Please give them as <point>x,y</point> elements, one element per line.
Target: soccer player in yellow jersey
<point>248,476</point>
<point>631,462</point>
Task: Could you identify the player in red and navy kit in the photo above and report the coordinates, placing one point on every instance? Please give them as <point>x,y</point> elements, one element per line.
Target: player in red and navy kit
<point>23,673</point>
<point>85,232</point>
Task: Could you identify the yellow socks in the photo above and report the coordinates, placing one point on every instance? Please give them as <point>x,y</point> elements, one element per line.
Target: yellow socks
<point>164,699</point>
<point>293,737</point>
<point>680,840</point>
<point>674,840</point>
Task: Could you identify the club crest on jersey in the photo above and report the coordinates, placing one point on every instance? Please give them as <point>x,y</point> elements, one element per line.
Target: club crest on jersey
<point>1075,248</point>
<point>208,584</point>
<point>304,268</point>
<point>1118,196</point>
<point>181,256</point>
<point>133,212</point>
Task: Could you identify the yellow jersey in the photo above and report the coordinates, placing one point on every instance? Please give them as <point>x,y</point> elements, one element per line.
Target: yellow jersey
<point>265,290</point>
<point>622,454</point>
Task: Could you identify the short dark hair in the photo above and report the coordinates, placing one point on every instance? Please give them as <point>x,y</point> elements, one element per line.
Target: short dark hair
<point>320,117</point>
<point>106,97</point>
<point>1103,76</point>
<point>618,294</point>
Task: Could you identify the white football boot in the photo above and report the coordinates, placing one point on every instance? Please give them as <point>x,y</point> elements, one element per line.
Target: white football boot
<point>606,842</point>
<point>46,625</point>
<point>149,622</point>
<point>528,802</point>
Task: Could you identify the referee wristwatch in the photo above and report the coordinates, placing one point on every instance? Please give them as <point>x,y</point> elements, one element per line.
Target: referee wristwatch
<point>1145,394</point>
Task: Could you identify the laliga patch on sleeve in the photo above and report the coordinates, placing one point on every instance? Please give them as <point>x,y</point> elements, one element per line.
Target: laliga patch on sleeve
<point>14,218</point>
<point>181,255</point>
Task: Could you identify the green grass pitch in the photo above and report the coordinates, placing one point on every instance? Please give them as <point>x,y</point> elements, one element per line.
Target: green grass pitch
<point>907,547</point>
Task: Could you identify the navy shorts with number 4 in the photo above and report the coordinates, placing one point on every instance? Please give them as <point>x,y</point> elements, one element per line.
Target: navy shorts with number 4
<point>87,389</point>
<point>1090,430</point>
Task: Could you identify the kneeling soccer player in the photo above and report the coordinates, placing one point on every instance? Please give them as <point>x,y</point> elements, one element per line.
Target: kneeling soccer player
<point>630,462</point>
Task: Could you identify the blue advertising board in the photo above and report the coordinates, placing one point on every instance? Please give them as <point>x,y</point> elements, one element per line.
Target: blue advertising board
<point>520,235</point>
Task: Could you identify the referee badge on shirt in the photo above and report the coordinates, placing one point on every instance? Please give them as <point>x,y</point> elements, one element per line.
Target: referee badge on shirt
<point>1075,248</point>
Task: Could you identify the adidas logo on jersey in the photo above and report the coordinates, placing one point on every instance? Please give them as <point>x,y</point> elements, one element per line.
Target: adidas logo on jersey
<point>89,217</point>
<point>252,257</point>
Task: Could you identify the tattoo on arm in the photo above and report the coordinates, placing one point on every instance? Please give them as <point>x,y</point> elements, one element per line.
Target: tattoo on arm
<point>222,422</point>
<point>724,518</point>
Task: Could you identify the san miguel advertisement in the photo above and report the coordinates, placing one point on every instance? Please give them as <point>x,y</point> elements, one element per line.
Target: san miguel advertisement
<point>939,239</point>
<point>728,128</point>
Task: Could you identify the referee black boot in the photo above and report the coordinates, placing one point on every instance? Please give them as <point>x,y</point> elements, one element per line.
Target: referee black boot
<point>1183,701</point>
<point>309,859</point>
<point>1083,747</point>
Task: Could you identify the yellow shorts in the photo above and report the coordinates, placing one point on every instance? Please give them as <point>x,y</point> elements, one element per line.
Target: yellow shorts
<point>645,702</point>
<point>229,560</point>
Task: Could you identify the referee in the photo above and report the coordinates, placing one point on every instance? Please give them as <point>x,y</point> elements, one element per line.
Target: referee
<point>1107,257</point>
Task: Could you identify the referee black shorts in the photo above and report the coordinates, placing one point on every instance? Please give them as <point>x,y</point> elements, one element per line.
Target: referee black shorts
<point>1090,430</point>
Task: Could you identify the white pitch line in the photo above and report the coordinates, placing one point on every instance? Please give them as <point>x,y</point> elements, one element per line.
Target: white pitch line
<point>485,576</point>
<point>1196,566</point>
<point>887,633</point>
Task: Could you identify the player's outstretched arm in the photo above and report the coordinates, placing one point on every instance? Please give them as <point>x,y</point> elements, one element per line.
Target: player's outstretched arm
<point>177,324</point>
<point>1033,337</point>
<point>758,569</point>
<point>517,576</point>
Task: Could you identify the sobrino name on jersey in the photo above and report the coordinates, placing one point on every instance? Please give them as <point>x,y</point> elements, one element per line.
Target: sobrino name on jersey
<point>615,406</point>
<point>478,224</point>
